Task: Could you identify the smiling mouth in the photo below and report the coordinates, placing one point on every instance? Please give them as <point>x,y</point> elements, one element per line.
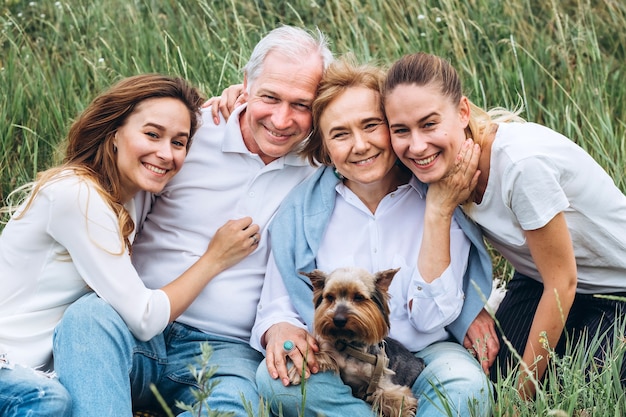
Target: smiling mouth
<point>426,161</point>
<point>155,169</point>
<point>366,161</point>
<point>277,135</point>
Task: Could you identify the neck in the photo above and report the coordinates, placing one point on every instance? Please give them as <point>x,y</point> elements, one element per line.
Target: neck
<point>372,194</point>
<point>484,163</point>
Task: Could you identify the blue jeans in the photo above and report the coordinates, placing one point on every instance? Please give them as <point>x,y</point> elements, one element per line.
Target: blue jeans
<point>450,372</point>
<point>23,392</point>
<point>108,372</point>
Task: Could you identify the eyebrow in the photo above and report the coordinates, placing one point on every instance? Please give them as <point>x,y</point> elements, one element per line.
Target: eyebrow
<point>429,115</point>
<point>162,128</point>
<point>363,121</point>
<point>266,91</point>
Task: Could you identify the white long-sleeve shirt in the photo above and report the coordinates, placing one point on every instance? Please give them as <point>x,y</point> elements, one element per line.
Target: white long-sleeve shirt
<point>67,244</point>
<point>389,238</point>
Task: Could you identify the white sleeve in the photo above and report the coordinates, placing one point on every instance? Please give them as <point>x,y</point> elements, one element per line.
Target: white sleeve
<point>82,222</point>
<point>533,192</point>
<point>274,306</point>
<point>439,303</point>
<point>143,205</point>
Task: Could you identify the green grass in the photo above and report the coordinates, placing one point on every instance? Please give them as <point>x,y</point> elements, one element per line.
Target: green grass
<point>563,60</point>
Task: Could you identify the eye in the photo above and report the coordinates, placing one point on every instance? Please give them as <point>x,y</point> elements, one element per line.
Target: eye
<point>302,107</point>
<point>329,298</point>
<point>339,136</point>
<point>358,298</point>
<point>269,99</point>
<point>153,135</point>
<point>429,125</point>
<point>179,143</point>
<point>399,131</point>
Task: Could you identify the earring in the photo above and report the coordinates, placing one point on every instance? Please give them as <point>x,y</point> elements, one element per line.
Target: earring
<point>114,149</point>
<point>338,175</point>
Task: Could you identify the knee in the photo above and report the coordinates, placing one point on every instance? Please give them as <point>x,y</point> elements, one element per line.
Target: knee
<point>48,397</point>
<point>87,316</point>
<point>58,399</point>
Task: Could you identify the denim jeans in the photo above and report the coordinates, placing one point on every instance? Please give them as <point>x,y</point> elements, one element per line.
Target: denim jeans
<point>450,372</point>
<point>26,393</point>
<point>108,371</point>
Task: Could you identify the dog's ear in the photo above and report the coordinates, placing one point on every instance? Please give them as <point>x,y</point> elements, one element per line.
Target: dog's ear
<point>317,277</point>
<point>383,278</point>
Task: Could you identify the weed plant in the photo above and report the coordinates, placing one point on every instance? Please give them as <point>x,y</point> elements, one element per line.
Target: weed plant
<point>563,61</point>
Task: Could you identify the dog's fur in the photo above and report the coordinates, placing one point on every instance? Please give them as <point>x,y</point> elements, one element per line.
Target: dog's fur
<point>352,313</point>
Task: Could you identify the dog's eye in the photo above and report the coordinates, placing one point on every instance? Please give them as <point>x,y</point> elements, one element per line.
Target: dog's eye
<point>329,298</point>
<point>358,297</point>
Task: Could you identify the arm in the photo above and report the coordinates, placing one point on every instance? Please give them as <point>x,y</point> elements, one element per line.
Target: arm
<point>441,244</point>
<point>552,250</point>
<point>84,224</point>
<point>442,199</point>
<point>276,322</point>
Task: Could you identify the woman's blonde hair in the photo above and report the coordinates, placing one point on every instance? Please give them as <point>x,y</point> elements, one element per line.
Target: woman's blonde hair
<point>90,151</point>
<point>338,77</point>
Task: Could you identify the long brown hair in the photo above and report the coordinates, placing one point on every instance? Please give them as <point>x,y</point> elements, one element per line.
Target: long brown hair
<point>90,154</point>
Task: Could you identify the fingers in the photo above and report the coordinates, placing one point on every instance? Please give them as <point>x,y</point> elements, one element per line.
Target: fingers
<point>301,353</point>
<point>232,242</point>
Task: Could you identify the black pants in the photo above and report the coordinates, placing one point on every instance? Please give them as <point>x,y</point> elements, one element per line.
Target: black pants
<point>588,317</point>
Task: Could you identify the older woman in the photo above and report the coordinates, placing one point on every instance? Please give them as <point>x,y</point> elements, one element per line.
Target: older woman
<point>364,209</point>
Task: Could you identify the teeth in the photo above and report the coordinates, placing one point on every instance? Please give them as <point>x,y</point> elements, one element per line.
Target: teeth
<point>156,169</point>
<point>365,161</point>
<point>425,161</point>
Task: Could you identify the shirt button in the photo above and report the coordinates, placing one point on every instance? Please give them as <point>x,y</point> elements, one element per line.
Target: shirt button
<point>419,288</point>
<point>251,194</point>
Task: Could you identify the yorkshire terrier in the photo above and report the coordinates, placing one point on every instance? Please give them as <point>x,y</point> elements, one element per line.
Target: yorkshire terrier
<point>351,324</point>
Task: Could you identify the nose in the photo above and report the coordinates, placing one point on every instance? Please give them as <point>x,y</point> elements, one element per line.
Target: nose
<point>418,144</point>
<point>282,117</point>
<point>361,143</point>
<point>164,151</point>
<point>341,317</point>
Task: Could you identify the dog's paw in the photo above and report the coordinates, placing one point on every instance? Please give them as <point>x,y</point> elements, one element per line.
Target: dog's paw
<point>398,401</point>
<point>295,375</point>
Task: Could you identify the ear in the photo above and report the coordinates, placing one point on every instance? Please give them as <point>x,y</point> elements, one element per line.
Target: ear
<point>244,93</point>
<point>464,111</point>
<point>383,278</point>
<point>317,277</point>
<point>114,142</point>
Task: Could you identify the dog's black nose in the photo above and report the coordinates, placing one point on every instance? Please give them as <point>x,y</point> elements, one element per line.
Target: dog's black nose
<point>340,318</point>
<point>340,321</point>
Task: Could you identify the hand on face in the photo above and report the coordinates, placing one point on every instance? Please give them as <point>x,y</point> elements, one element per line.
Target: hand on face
<point>457,186</point>
<point>302,353</point>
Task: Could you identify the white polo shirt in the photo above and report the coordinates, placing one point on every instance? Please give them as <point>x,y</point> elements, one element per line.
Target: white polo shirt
<point>220,180</point>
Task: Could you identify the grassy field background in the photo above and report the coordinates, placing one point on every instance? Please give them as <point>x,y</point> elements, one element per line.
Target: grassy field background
<point>564,61</point>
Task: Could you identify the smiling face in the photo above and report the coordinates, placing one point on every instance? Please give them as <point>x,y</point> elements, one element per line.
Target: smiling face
<point>427,129</point>
<point>356,137</point>
<point>278,116</point>
<point>151,145</point>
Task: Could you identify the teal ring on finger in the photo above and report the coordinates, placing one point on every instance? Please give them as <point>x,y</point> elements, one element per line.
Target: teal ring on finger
<point>288,346</point>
